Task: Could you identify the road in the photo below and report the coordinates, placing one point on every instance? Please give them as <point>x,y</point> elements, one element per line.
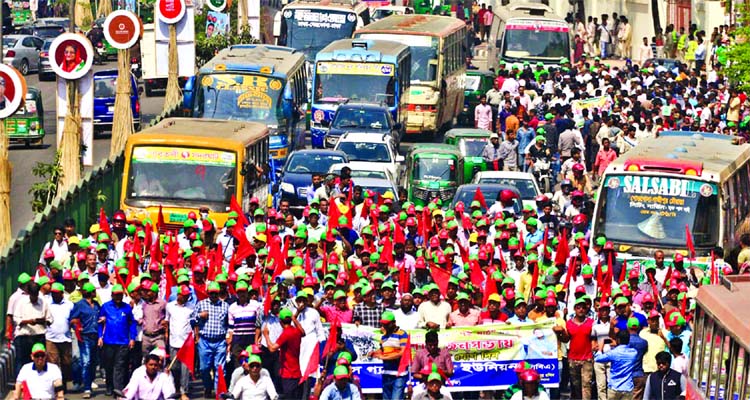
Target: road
<point>24,159</point>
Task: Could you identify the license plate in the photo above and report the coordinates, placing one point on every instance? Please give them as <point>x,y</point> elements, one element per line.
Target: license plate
<point>111,109</point>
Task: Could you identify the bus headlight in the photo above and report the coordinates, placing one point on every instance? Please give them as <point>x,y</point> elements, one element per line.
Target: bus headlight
<point>286,187</point>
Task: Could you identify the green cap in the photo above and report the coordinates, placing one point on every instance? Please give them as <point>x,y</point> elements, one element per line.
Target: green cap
<point>254,359</point>
<point>339,294</point>
<point>38,348</point>
<point>387,317</point>
<point>117,289</point>
<point>532,222</point>
<point>519,301</point>
<point>24,278</point>
<point>42,280</point>
<point>189,223</point>
<point>58,287</point>
<point>285,313</point>
<point>633,322</point>
<point>341,372</point>
<point>241,286</point>
<point>621,301</point>
<point>301,295</point>
<point>214,287</point>
<point>434,377</point>
<point>580,300</point>
<point>88,287</point>
<point>462,296</point>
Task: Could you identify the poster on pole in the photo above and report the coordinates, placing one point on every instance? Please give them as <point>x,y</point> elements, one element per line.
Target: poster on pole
<point>86,92</point>
<point>185,27</point>
<point>12,90</point>
<point>216,24</point>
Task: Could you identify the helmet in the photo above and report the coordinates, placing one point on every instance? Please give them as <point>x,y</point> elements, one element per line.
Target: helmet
<point>577,193</point>
<point>578,168</point>
<point>506,196</point>
<point>529,375</point>
<point>541,199</point>
<point>119,216</point>
<point>579,219</point>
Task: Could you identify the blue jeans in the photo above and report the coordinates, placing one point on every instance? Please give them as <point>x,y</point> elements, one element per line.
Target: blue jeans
<point>211,354</point>
<point>393,387</point>
<point>88,359</point>
<point>603,46</point>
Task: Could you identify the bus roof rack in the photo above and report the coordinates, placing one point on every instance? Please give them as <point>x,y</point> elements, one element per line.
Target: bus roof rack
<point>260,45</point>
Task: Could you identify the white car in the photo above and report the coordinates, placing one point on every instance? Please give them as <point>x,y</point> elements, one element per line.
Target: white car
<point>364,170</point>
<point>366,148</point>
<point>523,181</point>
<point>385,11</point>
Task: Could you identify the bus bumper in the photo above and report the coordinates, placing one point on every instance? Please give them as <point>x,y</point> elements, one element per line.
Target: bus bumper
<point>421,122</point>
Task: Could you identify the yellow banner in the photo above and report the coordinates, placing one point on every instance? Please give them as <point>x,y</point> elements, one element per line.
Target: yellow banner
<point>350,68</point>
<point>183,155</point>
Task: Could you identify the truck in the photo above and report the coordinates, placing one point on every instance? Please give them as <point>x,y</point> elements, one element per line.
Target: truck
<point>151,81</point>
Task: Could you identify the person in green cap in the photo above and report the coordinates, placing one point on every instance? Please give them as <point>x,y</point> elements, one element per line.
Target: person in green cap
<point>253,384</point>
<point>368,312</point>
<point>31,317</point>
<point>41,378</point>
<point>434,388</point>
<point>24,280</point>
<point>59,341</point>
<point>117,336</point>
<point>209,321</point>
<point>288,344</point>
<point>392,347</point>
<point>341,387</point>
<point>85,317</point>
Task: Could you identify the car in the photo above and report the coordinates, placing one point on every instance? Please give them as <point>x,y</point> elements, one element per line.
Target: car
<point>62,21</point>
<point>366,118</point>
<point>369,148</point>
<point>668,63</point>
<point>45,69</point>
<point>43,31</point>
<point>22,52</point>
<point>105,85</point>
<point>364,170</point>
<point>296,175</point>
<point>385,11</point>
<point>379,186</point>
<point>466,193</point>
<point>523,181</point>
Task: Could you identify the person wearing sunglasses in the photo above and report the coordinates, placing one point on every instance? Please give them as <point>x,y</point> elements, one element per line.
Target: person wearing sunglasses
<point>39,379</point>
<point>253,384</point>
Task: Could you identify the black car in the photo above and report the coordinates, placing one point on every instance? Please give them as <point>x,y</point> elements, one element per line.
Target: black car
<point>364,118</point>
<point>49,31</point>
<point>296,175</point>
<point>466,193</point>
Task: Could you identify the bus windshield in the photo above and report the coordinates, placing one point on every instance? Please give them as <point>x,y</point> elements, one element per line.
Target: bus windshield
<point>435,169</point>
<point>654,210</point>
<point>311,30</point>
<point>170,174</point>
<point>532,43</point>
<point>239,97</point>
<point>424,53</point>
<point>359,82</point>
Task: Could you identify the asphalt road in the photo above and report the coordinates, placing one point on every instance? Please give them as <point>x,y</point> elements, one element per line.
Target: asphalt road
<point>23,159</point>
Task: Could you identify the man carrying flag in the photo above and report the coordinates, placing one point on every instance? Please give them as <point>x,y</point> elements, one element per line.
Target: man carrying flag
<point>178,315</point>
<point>39,379</point>
<point>392,347</point>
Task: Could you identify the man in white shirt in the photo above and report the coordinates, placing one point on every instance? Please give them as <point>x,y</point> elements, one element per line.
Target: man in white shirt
<point>39,378</point>
<point>148,382</point>
<point>178,315</point>
<point>254,384</point>
<point>406,317</point>
<point>59,341</point>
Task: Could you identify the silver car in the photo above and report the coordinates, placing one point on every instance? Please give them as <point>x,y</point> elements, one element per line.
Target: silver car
<point>22,52</point>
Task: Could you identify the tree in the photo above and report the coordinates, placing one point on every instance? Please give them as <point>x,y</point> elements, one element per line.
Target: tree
<point>738,54</point>
<point>206,48</point>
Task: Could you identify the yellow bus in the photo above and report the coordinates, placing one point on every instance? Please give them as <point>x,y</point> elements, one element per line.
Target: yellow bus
<point>438,64</point>
<point>184,164</point>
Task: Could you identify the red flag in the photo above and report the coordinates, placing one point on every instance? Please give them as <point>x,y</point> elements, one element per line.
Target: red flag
<point>466,222</point>
<point>478,196</point>
<point>278,259</point>
<point>103,223</point>
<point>221,384</point>
<point>388,250</point>
<point>398,234</point>
<point>623,271</point>
<point>521,245</point>
<point>584,253</point>
<point>489,289</point>
<point>267,303</point>
<point>313,364</point>
<point>403,280</point>
<point>568,275</point>
<point>690,245</point>
<point>257,281</point>
<point>235,206</point>
<point>25,390</point>
<point>349,195</point>
<point>149,237</point>
<point>334,212</point>
<point>534,281</point>
<point>332,335</point>
<point>156,254</point>
<point>161,226</point>
<point>186,354</point>
<point>171,281</point>
<point>244,249</point>
<point>132,270</point>
<point>714,272</point>
<point>405,362</point>
<point>563,252</point>
<point>441,277</point>
<point>476,274</point>
<point>464,253</point>
<point>426,225</point>
<point>200,291</point>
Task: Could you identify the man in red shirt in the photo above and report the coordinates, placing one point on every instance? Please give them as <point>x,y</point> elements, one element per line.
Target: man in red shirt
<point>580,355</point>
<point>288,344</point>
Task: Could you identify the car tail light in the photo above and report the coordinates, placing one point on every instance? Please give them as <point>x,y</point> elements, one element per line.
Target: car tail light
<point>134,60</point>
<point>421,108</point>
<point>100,45</point>
<point>10,53</point>
<point>44,54</point>
<point>137,107</point>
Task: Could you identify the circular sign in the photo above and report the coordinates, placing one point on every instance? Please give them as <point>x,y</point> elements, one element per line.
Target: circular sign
<point>71,56</point>
<point>122,29</point>
<point>12,90</point>
<point>171,11</point>
<point>217,5</point>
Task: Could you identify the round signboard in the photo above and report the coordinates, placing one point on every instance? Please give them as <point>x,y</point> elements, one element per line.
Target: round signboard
<point>171,11</point>
<point>12,90</point>
<point>71,56</point>
<point>217,5</point>
<point>122,29</point>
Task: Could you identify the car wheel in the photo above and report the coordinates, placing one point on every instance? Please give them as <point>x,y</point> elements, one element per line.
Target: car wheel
<point>24,67</point>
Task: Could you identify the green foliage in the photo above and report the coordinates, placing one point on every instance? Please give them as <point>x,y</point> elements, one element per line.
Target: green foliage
<point>45,191</point>
<point>738,54</point>
<point>206,48</point>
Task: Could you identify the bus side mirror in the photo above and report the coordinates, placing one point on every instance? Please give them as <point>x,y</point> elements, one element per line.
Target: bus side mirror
<point>188,94</point>
<point>286,102</point>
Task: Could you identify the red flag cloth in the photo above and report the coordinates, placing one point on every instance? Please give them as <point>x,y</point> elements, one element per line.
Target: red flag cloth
<point>534,281</point>
<point>441,277</point>
<point>132,270</point>
<point>312,365</point>
<point>426,225</point>
<point>398,234</point>
<point>257,281</point>
<point>478,196</point>
<point>221,384</point>
<point>186,354</point>
<point>689,240</point>
<point>171,281</point>
<point>103,223</point>
<point>405,362</point>
<point>466,222</point>
<point>334,212</point>
<point>714,272</point>
<point>464,253</point>
<point>332,335</point>
<point>403,280</point>
<point>563,252</point>
<point>623,271</point>
<point>25,390</point>
<point>568,276</point>
<point>161,226</point>
<point>477,278</point>
<point>200,291</point>
<point>267,303</point>
<point>583,252</point>
<point>489,289</point>
<point>148,230</point>
<point>388,250</point>
<point>521,245</point>
<point>308,264</point>
<point>244,249</point>
<point>156,254</point>
<point>235,206</point>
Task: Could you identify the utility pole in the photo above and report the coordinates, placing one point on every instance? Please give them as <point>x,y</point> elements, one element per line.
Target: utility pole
<point>5,169</point>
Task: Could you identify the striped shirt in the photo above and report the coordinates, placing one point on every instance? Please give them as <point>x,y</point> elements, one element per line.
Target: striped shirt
<point>243,320</point>
<point>391,343</point>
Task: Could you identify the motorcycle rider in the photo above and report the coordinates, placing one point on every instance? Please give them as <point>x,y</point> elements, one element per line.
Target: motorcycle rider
<point>561,199</point>
<point>580,180</point>
<point>96,36</point>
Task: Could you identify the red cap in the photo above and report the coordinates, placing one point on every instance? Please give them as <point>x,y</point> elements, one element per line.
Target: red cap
<point>192,215</point>
<point>443,234</point>
<point>482,255</point>
<point>197,268</point>
<point>420,263</point>
<point>647,298</point>
<point>580,289</point>
<point>634,274</point>
<point>254,200</point>
<point>512,226</point>
<point>102,270</point>
<point>654,314</point>
<point>411,221</point>
<point>676,275</point>
<point>609,246</point>
<point>604,304</point>
<point>626,292</point>
<point>184,290</point>
<point>434,242</point>
<point>308,282</point>
<point>550,302</point>
<point>678,257</point>
<point>49,254</point>
<point>68,275</point>
<point>510,294</point>
<point>682,287</point>
<point>154,266</point>
<point>340,282</point>
<point>80,256</point>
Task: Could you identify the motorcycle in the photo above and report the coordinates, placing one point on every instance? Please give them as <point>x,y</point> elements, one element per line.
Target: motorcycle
<point>135,68</point>
<point>541,172</point>
<point>100,54</point>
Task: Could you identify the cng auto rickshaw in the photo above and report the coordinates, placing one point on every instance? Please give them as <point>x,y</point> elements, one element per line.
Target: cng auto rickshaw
<point>27,124</point>
<point>476,83</point>
<point>433,171</point>
<point>470,143</point>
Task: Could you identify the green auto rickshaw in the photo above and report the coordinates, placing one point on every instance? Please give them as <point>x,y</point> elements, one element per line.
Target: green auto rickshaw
<point>470,143</point>
<point>433,171</point>
<point>27,124</point>
<point>476,83</point>
<point>431,7</point>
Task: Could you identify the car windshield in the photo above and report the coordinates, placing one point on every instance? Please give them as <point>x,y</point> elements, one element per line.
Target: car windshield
<point>9,42</point>
<point>181,174</point>
<point>360,82</point>
<point>654,210</point>
<point>489,192</point>
<point>525,186</point>
<point>353,118</point>
<point>471,82</point>
<point>381,13</point>
<point>302,163</point>
<point>239,97</point>
<point>378,189</point>
<point>434,168</point>
<point>49,31</point>
<point>361,173</point>
<point>535,45</point>
<point>105,87</point>
<point>372,152</point>
<point>472,147</point>
<point>311,30</point>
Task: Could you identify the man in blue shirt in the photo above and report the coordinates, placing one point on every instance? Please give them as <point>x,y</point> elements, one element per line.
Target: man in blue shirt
<point>623,360</point>
<point>210,325</point>
<point>641,346</point>
<point>84,318</point>
<point>116,337</point>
